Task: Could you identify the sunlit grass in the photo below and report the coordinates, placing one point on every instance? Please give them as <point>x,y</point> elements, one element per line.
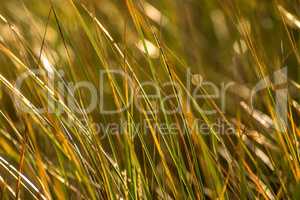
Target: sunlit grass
<point>147,151</point>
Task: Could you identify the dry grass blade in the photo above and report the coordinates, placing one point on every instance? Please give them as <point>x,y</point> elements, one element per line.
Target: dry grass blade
<point>291,19</point>
<point>15,173</point>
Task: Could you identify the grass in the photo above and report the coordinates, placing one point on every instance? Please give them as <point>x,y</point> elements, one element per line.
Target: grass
<point>167,63</point>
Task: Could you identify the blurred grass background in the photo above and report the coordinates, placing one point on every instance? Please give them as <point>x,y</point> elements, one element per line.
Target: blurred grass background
<point>62,156</point>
